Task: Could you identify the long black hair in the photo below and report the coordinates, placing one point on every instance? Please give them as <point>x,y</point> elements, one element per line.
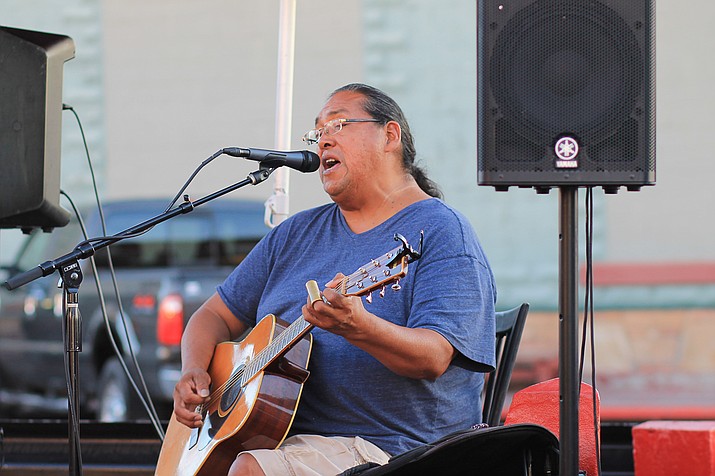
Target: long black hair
<point>382,107</point>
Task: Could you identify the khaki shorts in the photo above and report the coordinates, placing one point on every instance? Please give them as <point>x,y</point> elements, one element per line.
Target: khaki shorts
<point>314,455</point>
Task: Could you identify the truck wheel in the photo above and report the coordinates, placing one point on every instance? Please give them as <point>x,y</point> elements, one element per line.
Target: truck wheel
<point>116,401</point>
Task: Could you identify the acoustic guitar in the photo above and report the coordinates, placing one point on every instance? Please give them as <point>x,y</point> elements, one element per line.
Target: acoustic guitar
<point>257,382</point>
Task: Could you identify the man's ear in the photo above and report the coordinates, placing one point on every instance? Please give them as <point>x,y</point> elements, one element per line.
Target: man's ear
<point>393,133</point>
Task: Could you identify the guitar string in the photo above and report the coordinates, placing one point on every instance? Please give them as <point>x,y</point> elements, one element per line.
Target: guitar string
<point>364,272</point>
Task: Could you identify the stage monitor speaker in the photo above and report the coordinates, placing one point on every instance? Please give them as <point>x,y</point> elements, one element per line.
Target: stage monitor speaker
<point>31,69</point>
<point>566,93</point>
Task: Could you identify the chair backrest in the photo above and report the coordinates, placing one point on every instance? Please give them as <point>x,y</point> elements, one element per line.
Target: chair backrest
<point>509,327</point>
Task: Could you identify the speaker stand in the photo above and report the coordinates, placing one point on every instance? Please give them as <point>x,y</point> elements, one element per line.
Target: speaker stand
<point>569,385</point>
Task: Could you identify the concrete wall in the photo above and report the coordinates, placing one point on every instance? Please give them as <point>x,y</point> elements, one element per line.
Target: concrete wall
<point>184,79</point>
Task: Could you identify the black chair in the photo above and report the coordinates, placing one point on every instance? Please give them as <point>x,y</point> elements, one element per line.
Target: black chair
<point>509,327</point>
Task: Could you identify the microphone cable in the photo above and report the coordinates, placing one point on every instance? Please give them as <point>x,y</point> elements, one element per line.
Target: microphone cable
<point>588,321</point>
<point>146,402</point>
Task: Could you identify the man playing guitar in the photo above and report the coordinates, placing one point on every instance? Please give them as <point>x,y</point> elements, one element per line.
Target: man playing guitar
<point>386,376</point>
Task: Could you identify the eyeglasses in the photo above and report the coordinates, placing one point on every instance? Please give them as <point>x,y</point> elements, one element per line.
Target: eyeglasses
<point>331,127</point>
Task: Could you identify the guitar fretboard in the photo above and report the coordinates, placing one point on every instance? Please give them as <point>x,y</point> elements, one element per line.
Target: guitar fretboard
<point>370,276</point>
<point>280,344</point>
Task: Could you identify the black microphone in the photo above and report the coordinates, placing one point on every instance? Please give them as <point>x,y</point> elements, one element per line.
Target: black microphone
<point>301,160</point>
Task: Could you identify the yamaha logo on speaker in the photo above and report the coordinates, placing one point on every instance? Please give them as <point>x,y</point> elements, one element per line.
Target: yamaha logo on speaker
<point>566,150</point>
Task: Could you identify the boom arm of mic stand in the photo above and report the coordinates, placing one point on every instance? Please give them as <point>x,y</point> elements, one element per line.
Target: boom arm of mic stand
<point>86,250</point>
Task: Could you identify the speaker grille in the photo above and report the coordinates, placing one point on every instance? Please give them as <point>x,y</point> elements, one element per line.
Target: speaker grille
<point>555,68</point>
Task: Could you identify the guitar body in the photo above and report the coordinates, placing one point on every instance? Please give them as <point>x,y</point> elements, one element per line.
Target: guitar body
<point>257,415</point>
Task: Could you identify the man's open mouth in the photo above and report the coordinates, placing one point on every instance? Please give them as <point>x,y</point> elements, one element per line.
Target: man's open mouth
<point>328,163</point>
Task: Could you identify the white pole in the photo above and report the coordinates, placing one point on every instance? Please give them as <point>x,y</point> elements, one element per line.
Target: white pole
<point>277,206</point>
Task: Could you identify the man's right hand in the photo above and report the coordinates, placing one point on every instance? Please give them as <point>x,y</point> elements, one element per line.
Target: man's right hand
<point>212,323</point>
<point>190,391</point>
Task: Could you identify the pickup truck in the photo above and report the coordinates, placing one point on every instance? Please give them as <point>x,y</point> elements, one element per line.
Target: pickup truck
<point>162,276</point>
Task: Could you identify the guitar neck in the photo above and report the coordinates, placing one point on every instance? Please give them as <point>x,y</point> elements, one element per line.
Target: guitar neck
<point>373,275</point>
<point>280,344</point>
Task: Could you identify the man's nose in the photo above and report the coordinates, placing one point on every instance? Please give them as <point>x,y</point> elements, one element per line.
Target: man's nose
<point>326,141</point>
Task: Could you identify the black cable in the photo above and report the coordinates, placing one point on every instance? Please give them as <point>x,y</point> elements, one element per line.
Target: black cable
<point>146,402</point>
<point>191,178</point>
<point>588,294</point>
<point>588,320</point>
<point>171,204</point>
<point>148,406</point>
<point>102,304</point>
<point>594,392</point>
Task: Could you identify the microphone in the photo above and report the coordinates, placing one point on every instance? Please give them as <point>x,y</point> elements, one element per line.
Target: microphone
<point>301,160</point>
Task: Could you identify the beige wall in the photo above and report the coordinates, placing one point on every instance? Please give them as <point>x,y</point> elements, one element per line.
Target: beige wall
<point>673,220</point>
<point>185,79</point>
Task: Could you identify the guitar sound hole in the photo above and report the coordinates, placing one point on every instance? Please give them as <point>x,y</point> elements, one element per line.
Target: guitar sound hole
<point>233,389</point>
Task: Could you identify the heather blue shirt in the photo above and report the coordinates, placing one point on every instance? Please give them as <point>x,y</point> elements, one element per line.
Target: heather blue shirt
<point>450,290</point>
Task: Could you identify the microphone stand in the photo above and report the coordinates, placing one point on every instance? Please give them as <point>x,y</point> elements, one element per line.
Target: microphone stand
<point>71,273</point>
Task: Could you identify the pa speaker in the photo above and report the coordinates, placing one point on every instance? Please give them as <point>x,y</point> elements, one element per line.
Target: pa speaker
<point>31,69</point>
<point>566,93</point>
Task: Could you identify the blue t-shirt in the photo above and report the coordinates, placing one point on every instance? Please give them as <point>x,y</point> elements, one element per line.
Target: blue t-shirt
<point>450,290</point>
